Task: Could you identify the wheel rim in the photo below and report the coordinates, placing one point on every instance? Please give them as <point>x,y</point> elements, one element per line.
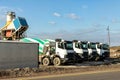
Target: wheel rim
<point>45,61</point>
<point>56,61</point>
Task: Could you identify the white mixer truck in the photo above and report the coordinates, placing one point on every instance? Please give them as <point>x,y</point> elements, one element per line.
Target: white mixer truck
<point>81,48</point>
<point>103,50</point>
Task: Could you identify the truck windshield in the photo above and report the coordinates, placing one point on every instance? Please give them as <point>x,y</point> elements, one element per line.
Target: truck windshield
<point>105,46</point>
<point>92,45</point>
<point>84,46</point>
<point>68,45</point>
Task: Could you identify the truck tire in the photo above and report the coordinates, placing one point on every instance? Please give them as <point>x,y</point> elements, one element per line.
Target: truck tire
<point>97,58</point>
<point>56,61</point>
<point>46,61</point>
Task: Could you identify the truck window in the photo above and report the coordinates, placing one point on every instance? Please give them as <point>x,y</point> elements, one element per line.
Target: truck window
<point>52,50</point>
<point>93,46</point>
<point>98,46</point>
<point>77,45</point>
<point>84,46</point>
<point>105,46</point>
<point>68,45</point>
<point>60,45</point>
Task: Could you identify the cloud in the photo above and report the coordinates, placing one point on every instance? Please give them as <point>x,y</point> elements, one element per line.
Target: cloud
<point>4,10</point>
<point>52,22</point>
<point>84,6</point>
<point>19,10</point>
<point>57,14</point>
<point>114,38</point>
<point>115,20</point>
<point>73,16</point>
<point>81,34</point>
<point>70,15</point>
<point>66,35</point>
<point>98,25</point>
<point>53,35</point>
<point>2,17</point>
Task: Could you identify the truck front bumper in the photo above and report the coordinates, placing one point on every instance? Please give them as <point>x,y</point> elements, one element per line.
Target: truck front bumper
<point>93,56</point>
<point>105,55</point>
<point>70,57</point>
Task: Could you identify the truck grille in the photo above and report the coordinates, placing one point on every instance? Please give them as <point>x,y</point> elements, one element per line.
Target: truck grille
<point>94,53</point>
<point>70,55</point>
<point>85,55</point>
<point>106,54</point>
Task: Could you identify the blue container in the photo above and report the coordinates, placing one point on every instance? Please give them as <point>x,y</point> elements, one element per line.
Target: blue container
<point>20,22</point>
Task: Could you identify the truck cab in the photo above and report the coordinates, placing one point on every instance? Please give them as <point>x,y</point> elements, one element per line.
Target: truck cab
<point>60,51</point>
<point>93,55</point>
<point>65,50</point>
<point>81,48</point>
<point>103,50</point>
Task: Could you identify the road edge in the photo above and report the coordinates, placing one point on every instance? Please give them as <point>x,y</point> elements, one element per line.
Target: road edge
<point>62,75</point>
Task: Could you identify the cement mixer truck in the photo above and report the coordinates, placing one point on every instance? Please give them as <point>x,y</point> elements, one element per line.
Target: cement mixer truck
<point>54,51</point>
<point>88,50</point>
<point>103,50</point>
<point>81,48</point>
<point>93,55</point>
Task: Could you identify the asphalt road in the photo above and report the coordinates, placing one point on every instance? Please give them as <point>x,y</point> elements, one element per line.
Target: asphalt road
<point>115,75</point>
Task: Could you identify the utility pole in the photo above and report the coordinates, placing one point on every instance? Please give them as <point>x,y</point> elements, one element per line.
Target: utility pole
<point>108,29</point>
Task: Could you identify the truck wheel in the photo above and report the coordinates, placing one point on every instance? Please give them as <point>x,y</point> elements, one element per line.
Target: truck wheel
<point>97,58</point>
<point>56,61</point>
<point>45,61</point>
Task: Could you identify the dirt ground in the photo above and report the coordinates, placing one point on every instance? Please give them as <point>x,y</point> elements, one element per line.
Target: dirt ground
<point>115,52</point>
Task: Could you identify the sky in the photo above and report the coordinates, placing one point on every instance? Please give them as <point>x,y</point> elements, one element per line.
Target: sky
<point>85,20</point>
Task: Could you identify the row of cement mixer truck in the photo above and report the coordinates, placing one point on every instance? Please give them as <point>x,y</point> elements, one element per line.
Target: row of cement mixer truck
<point>56,51</point>
<point>61,51</point>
